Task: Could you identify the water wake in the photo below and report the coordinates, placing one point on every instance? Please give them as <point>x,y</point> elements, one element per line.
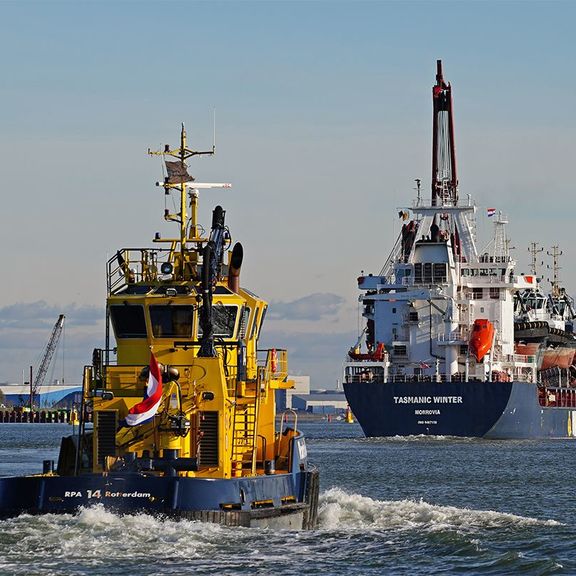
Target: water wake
<point>340,510</point>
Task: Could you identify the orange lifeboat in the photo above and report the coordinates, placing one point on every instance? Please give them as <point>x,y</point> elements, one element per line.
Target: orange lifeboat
<point>481,338</point>
<point>376,356</point>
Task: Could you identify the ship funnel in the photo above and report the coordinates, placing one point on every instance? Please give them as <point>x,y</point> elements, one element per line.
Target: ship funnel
<point>234,267</point>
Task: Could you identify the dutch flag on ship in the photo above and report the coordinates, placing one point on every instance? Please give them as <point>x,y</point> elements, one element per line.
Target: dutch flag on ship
<point>146,409</point>
<point>491,212</point>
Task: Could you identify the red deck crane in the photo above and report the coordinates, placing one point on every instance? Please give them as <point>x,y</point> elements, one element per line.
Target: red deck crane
<point>444,178</point>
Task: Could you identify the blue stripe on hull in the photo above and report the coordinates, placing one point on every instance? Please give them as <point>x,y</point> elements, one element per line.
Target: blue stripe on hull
<point>473,409</point>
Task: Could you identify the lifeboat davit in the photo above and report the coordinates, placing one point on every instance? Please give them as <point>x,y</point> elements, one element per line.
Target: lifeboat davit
<point>481,338</point>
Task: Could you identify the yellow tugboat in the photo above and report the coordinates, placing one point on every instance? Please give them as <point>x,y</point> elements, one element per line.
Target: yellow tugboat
<point>178,417</point>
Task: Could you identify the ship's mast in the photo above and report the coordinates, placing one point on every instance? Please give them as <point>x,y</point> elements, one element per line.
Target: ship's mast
<point>556,253</point>
<point>534,251</point>
<point>444,178</point>
<point>179,179</point>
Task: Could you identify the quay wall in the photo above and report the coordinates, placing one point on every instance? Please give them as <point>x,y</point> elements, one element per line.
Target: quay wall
<point>39,417</point>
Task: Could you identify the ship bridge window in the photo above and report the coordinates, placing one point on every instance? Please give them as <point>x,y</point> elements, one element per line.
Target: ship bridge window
<point>262,319</point>
<point>430,272</point>
<point>128,321</point>
<point>440,272</point>
<point>477,293</point>
<point>171,321</point>
<point>224,320</point>
<point>258,323</point>
<point>255,323</point>
<point>494,293</point>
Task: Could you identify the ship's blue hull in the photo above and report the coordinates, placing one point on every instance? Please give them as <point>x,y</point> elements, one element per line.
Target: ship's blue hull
<point>279,500</point>
<point>472,409</point>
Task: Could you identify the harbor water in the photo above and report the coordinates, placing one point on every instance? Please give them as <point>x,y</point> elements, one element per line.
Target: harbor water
<point>387,506</point>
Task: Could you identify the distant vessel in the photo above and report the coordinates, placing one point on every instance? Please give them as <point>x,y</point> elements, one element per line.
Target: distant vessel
<point>182,404</point>
<point>453,344</point>
<point>544,323</point>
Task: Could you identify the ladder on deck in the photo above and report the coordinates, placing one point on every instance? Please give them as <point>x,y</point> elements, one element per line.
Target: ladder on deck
<point>244,432</point>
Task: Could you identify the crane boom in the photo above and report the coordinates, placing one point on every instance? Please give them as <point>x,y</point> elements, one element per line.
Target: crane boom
<point>444,178</point>
<point>48,353</point>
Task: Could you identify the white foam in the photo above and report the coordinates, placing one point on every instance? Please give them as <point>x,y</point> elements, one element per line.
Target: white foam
<point>340,510</point>
<point>95,529</point>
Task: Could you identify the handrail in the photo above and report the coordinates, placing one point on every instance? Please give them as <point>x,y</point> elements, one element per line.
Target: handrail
<point>283,418</point>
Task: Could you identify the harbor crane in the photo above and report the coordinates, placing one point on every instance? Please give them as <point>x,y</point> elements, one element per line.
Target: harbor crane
<point>47,357</point>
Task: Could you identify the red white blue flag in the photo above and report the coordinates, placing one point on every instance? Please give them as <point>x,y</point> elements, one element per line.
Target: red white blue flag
<point>491,212</point>
<point>146,409</point>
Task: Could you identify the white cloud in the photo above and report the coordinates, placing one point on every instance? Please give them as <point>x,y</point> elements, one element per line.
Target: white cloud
<point>313,307</point>
<point>25,329</point>
<point>319,354</point>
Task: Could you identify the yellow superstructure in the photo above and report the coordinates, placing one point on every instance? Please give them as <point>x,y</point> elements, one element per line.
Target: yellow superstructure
<point>184,304</point>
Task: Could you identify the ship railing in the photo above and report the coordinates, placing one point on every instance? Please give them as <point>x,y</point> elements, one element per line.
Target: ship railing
<point>273,363</point>
<point>522,358</point>
<point>131,381</point>
<point>406,378</point>
<point>523,374</point>
<point>519,375</point>
<point>557,377</point>
<point>513,359</point>
<point>456,336</point>
<point>136,265</point>
<point>365,372</point>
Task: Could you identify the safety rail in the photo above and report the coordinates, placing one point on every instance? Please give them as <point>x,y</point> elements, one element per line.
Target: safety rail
<point>379,378</point>
<point>460,336</point>
<point>135,265</point>
<point>274,363</point>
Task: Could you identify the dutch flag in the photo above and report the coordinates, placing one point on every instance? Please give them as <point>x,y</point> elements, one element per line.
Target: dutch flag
<point>146,409</point>
<point>491,212</point>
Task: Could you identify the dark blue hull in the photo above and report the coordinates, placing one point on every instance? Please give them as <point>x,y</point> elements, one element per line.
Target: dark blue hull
<point>472,409</point>
<point>279,500</point>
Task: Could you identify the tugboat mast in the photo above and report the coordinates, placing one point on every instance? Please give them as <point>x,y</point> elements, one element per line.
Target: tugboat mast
<point>534,251</point>
<point>556,253</point>
<point>179,179</point>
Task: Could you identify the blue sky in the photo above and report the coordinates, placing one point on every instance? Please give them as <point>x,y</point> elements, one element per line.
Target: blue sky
<point>323,123</point>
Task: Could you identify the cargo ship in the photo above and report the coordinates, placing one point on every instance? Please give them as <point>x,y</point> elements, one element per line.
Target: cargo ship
<point>178,414</point>
<point>452,344</point>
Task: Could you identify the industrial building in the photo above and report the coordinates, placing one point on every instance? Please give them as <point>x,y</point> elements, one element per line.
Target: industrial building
<point>46,397</point>
<point>301,398</point>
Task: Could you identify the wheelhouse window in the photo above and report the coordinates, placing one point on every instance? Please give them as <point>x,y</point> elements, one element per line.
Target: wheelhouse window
<point>244,321</point>
<point>224,319</point>
<point>128,321</point>
<point>255,324</point>
<point>171,321</point>
<point>264,310</point>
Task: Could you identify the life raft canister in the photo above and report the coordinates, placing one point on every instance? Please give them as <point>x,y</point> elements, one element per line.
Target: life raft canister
<point>273,360</point>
